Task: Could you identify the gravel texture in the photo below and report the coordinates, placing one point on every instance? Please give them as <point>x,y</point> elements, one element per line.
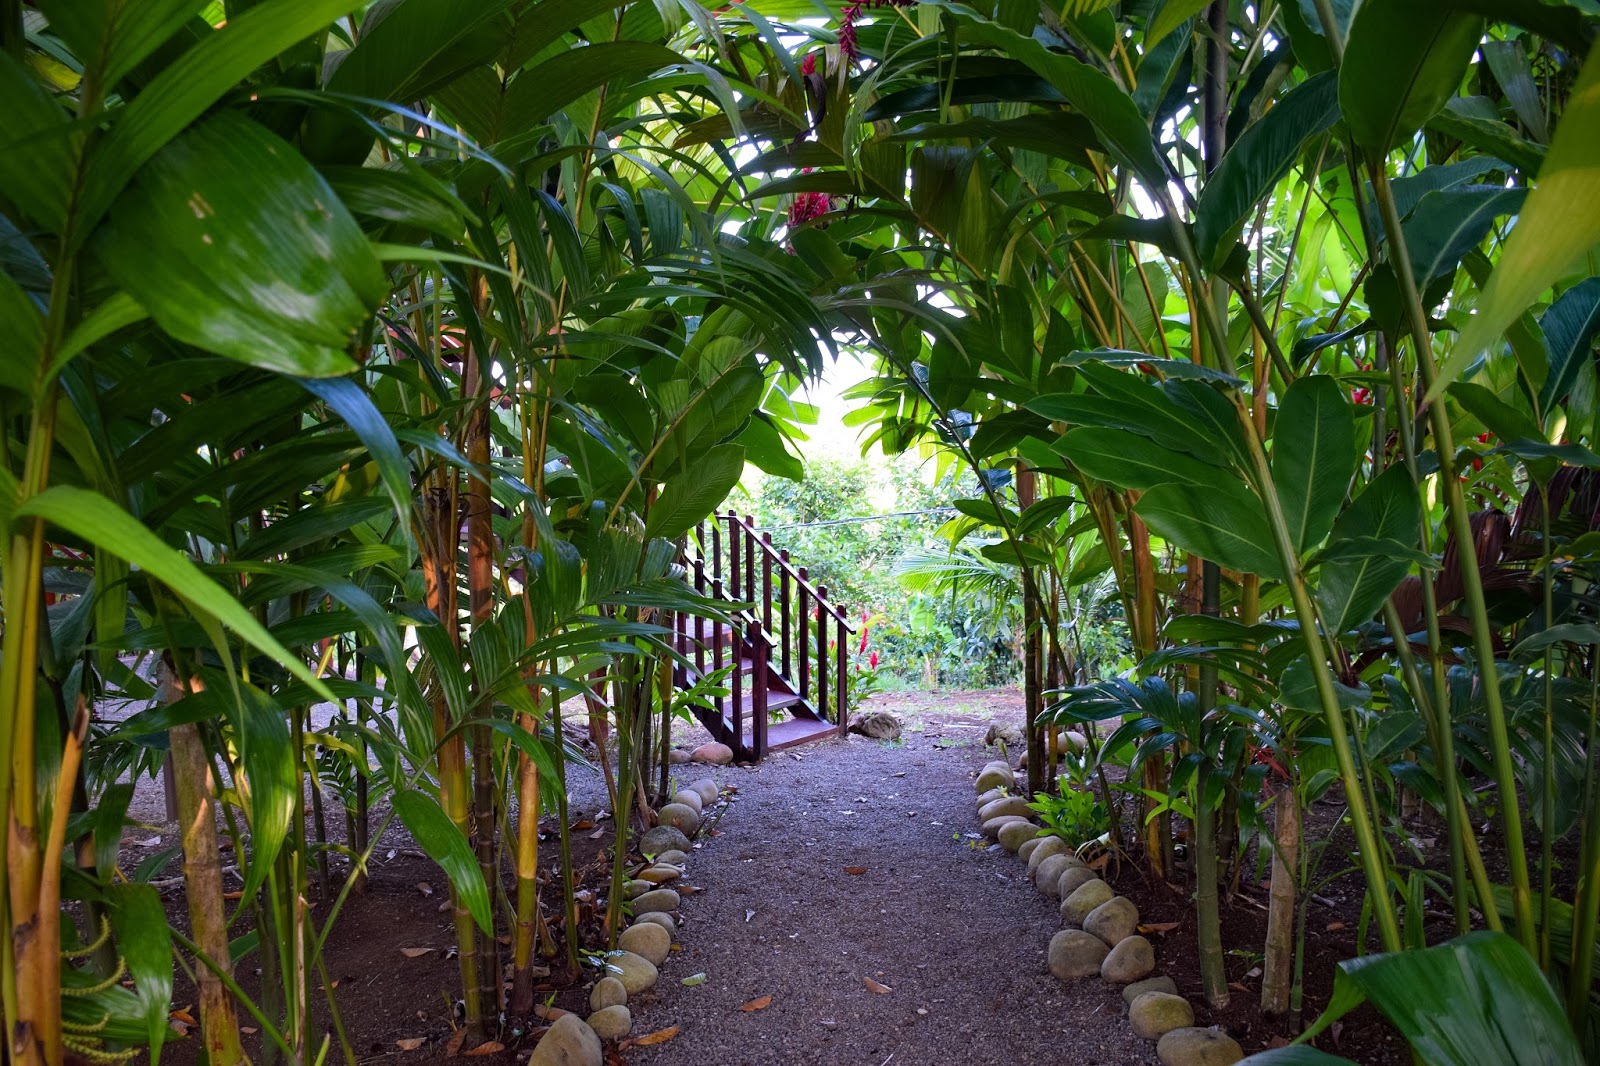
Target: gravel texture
<point>947,921</point>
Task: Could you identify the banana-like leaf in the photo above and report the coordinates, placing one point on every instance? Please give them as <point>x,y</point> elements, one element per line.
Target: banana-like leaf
<point>267,759</point>
<point>346,397</point>
<point>1402,62</point>
<point>1223,522</point>
<point>1570,327</point>
<point>447,846</point>
<point>1313,457</point>
<point>230,192</point>
<point>696,492</point>
<point>1559,222</point>
<point>96,519</point>
<point>1130,461</point>
<point>115,35</point>
<point>145,944</point>
<point>1351,589</point>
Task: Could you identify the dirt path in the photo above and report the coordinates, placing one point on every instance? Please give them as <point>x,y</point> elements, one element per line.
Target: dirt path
<point>957,931</point>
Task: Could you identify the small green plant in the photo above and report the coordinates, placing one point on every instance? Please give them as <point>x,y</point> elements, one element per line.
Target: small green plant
<point>1072,815</point>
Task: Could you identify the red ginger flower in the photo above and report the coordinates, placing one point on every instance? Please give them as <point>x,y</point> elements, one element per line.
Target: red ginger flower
<point>808,65</point>
<point>807,206</point>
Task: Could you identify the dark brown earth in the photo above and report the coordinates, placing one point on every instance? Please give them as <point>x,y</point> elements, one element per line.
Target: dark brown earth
<point>951,926</point>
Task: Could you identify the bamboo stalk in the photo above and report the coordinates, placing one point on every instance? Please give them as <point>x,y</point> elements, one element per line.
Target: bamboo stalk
<point>1277,976</point>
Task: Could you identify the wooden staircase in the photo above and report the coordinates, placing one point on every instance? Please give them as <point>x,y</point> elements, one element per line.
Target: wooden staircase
<point>788,647</point>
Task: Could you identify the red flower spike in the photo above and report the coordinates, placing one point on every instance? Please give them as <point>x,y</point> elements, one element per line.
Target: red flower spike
<point>808,65</point>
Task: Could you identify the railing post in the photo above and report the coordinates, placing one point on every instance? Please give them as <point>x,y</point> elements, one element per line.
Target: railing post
<point>822,652</point>
<point>842,678</point>
<point>716,547</point>
<point>716,647</point>
<point>736,589</point>
<point>738,690</point>
<point>766,583</point>
<point>784,605</point>
<point>759,652</point>
<point>749,557</point>
<point>802,647</point>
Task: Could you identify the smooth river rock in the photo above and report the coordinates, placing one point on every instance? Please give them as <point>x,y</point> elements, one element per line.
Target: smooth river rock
<point>568,1043</point>
<point>992,827</point>
<point>680,816</point>
<point>1149,984</point>
<point>664,919</point>
<point>635,889</point>
<point>1072,879</point>
<point>707,790</point>
<point>1016,834</point>
<point>661,899</point>
<point>1005,805</point>
<point>649,941</point>
<point>1198,1047</point>
<point>689,798</point>
<point>634,971</point>
<point>660,874</point>
<point>1074,954</point>
<point>1130,960</point>
<point>672,857</point>
<point>996,775</point>
<point>1048,875</point>
<point>1113,921</point>
<point>611,1023</point>
<point>607,992</point>
<point>713,753</point>
<point>1026,849</point>
<point>990,796</point>
<point>1048,846</point>
<point>1155,1014</point>
<point>1085,898</point>
<point>663,838</point>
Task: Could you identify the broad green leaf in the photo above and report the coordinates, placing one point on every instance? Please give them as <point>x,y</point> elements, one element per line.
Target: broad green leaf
<point>1570,327</point>
<point>1459,119</point>
<point>25,324</point>
<point>1500,418</point>
<point>1449,223</point>
<point>1127,460</point>
<point>1559,222</point>
<point>193,82</point>
<point>1351,590</point>
<point>1313,457</point>
<point>690,496</point>
<point>1173,13</point>
<point>764,448</point>
<point>347,398</point>
<point>116,312</point>
<point>541,91</point>
<point>1260,159</point>
<point>1226,525</point>
<point>411,47</point>
<point>96,519</point>
<point>1294,1055</point>
<point>37,146</point>
<point>145,944</point>
<point>1122,129</point>
<point>1508,61</point>
<point>266,753</point>
<point>1568,633</point>
<point>447,846</point>
<point>112,36</point>
<point>1403,60</point>
<point>1480,998</point>
<point>229,193</point>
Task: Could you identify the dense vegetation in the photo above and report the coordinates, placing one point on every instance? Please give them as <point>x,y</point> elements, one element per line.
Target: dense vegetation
<point>376,356</point>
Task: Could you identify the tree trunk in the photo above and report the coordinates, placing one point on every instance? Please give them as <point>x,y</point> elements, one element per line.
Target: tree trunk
<point>1277,973</point>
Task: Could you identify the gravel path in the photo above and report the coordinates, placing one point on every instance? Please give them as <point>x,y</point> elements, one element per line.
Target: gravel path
<point>956,930</point>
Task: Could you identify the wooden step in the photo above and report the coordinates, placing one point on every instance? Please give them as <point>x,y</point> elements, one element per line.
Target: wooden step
<point>798,731</point>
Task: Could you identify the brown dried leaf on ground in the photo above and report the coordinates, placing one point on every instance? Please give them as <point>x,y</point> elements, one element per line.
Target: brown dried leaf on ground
<point>1159,927</point>
<point>409,1043</point>
<point>876,986</point>
<point>414,953</point>
<point>761,1003</point>
<point>457,1038</point>
<point>425,888</point>
<point>856,870</point>
<point>488,1048</point>
<point>660,1036</point>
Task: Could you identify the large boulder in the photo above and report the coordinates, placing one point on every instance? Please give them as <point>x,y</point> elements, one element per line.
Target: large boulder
<point>1113,921</point>
<point>663,838</point>
<point>568,1043</point>
<point>1003,806</point>
<point>713,753</point>
<point>1155,1014</point>
<point>636,972</point>
<point>679,816</point>
<point>1129,961</point>
<point>647,940</point>
<point>1198,1047</point>
<point>1085,898</point>
<point>877,725</point>
<point>1014,835</point>
<point>611,1023</point>
<point>1074,954</point>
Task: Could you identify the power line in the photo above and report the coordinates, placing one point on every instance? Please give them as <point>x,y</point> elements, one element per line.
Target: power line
<point>862,518</point>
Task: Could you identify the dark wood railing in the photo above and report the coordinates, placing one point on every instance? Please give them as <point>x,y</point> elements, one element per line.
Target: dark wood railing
<point>779,645</point>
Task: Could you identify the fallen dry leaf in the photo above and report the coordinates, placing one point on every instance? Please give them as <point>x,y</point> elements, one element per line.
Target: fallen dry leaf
<point>876,986</point>
<point>409,1043</point>
<point>1159,927</point>
<point>1334,927</point>
<point>660,1036</point>
<point>453,1046</point>
<point>182,1015</point>
<point>233,895</point>
<point>687,890</point>
<point>1237,986</point>
<point>488,1048</point>
<point>757,1004</point>
<point>414,953</point>
<point>425,888</point>
<point>855,870</point>
<point>578,827</point>
<point>549,1014</point>
<point>713,832</point>
<point>249,1030</point>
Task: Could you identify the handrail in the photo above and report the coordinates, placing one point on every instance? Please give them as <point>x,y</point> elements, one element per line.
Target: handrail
<point>772,553</point>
